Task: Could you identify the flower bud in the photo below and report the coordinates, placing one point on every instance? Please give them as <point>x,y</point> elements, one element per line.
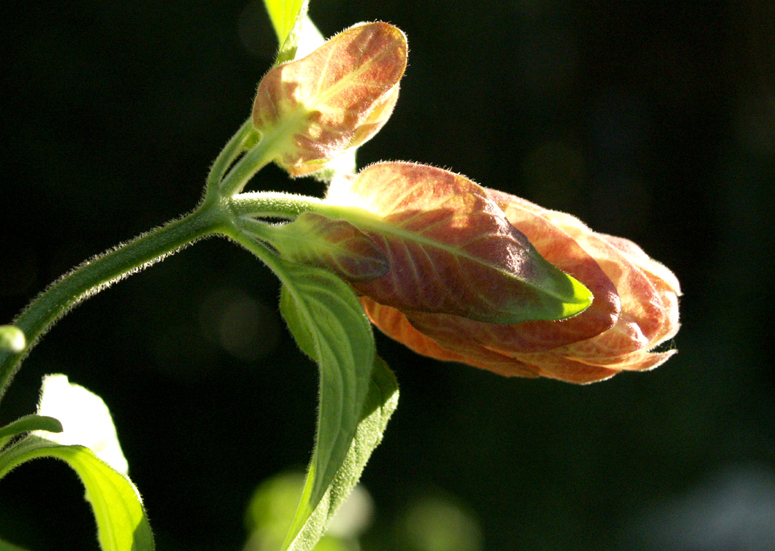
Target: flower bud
<point>450,248</point>
<point>335,98</point>
<point>635,309</point>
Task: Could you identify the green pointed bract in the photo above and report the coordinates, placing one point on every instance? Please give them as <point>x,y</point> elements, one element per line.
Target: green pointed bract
<point>450,248</point>
<point>336,245</point>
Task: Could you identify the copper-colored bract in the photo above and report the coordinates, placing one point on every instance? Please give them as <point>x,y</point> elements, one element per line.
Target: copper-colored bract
<point>451,248</point>
<point>335,98</point>
<point>635,309</point>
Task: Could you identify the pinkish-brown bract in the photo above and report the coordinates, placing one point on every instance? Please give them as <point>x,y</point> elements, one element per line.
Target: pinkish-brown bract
<point>451,248</point>
<point>335,98</point>
<point>634,311</point>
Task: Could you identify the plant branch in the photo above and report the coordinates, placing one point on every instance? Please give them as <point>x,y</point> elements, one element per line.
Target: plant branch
<point>273,204</point>
<point>242,140</point>
<point>260,155</point>
<point>100,272</point>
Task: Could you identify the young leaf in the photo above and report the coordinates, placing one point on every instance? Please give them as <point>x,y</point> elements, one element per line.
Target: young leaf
<point>451,249</point>
<point>380,404</point>
<point>26,424</point>
<point>121,521</point>
<point>336,245</point>
<point>287,17</point>
<point>330,326</point>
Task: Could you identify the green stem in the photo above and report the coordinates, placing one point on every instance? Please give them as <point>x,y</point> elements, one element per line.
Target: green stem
<point>242,140</point>
<point>262,251</point>
<point>98,273</point>
<point>273,204</point>
<point>268,149</point>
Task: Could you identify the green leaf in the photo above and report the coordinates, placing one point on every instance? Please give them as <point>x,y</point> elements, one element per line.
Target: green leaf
<point>329,325</point>
<point>85,419</point>
<point>287,17</point>
<point>380,404</point>
<point>12,339</point>
<point>26,424</point>
<point>121,521</point>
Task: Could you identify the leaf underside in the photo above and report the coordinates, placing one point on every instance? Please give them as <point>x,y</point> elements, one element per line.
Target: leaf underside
<point>329,325</point>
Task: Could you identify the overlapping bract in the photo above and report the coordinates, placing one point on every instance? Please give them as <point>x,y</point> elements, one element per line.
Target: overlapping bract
<point>451,248</point>
<point>635,306</point>
<point>335,98</point>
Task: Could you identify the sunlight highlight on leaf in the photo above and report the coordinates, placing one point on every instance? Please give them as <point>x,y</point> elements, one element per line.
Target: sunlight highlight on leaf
<point>85,419</point>
<point>451,248</point>
<point>122,524</point>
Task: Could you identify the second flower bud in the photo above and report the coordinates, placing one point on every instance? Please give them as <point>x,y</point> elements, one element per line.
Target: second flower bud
<point>334,99</point>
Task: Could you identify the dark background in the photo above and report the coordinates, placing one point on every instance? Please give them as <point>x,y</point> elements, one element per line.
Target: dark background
<point>651,120</point>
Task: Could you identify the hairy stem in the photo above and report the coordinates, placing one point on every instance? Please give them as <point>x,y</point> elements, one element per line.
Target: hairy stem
<point>261,154</point>
<point>242,140</point>
<point>98,273</point>
<point>273,204</point>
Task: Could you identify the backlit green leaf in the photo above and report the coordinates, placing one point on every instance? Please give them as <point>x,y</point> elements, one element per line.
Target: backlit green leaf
<point>85,419</point>
<point>287,17</point>
<point>121,521</point>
